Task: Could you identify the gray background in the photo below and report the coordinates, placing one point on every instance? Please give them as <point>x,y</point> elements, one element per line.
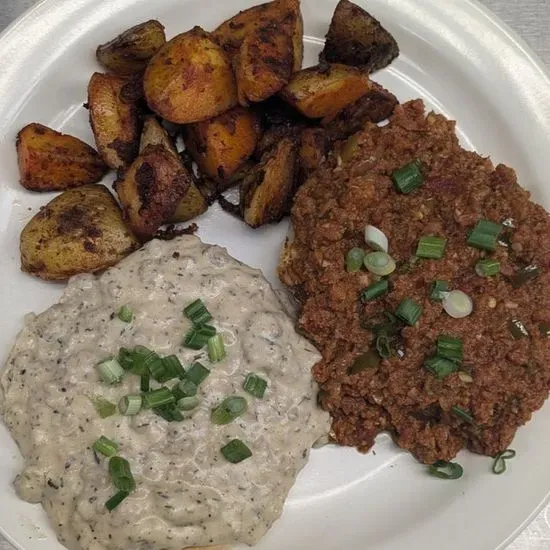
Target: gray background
<point>531,20</point>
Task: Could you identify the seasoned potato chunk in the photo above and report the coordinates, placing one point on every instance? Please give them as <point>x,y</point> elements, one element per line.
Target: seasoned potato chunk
<point>154,134</point>
<point>80,231</point>
<point>190,79</point>
<point>313,151</point>
<point>130,51</point>
<point>51,161</point>
<point>114,119</point>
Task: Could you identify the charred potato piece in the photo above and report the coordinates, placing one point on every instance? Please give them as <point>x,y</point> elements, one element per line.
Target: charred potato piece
<point>273,135</point>
<point>154,134</point>
<point>313,151</point>
<point>190,79</point>
<point>130,51</point>
<point>324,90</point>
<point>356,38</point>
<point>114,119</point>
<point>51,161</point>
<point>192,204</point>
<point>221,145</point>
<point>151,190</point>
<point>80,231</point>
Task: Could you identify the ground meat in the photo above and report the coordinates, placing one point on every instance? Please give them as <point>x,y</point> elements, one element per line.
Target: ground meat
<point>502,380</point>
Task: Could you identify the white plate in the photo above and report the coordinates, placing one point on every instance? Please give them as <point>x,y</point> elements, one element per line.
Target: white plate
<point>465,64</point>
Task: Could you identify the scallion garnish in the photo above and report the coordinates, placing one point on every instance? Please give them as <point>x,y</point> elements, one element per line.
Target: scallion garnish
<point>379,263</point>
<point>525,275</point>
<point>440,367</point>
<point>236,451</point>
<point>158,398</point>
<point>431,247</point>
<point>354,259</point>
<point>145,381</point>
<point>216,348</point>
<point>518,329</point>
<point>115,500</point>
<point>457,304</point>
<point>487,267</point>
<point>139,359</point>
<point>172,368</point>
<point>450,347</point>
<point>375,290</point>
<point>125,314</point>
<point>170,412</point>
<point>197,313</point>
<point>121,475</point>
<point>408,178</point>
<point>188,403</point>
<point>130,405</point>
<point>368,360</point>
<point>103,407</point>
<point>125,358</point>
<point>228,410</point>
<point>499,465</point>
<point>462,414</point>
<point>445,470</point>
<point>409,311</point>
<point>383,346</point>
<point>156,368</point>
<point>485,235</point>
<point>105,446</point>
<point>197,336</point>
<point>255,385</point>
<point>184,388</point>
<point>110,371</point>
<point>438,290</point>
<point>197,373</point>
<point>376,239</point>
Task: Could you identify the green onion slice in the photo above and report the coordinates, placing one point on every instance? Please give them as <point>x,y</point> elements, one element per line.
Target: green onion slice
<point>379,263</point>
<point>172,368</point>
<point>140,358</point>
<point>145,385</point>
<point>525,275</point>
<point>375,290</point>
<point>170,412</point>
<point>518,329</point>
<point>408,178</point>
<point>110,371</point>
<point>197,336</point>
<point>197,373</point>
<point>216,348</point>
<point>255,385</point>
<point>383,346</point>
<point>105,446</point>
<point>368,360</point>
<point>462,414</point>
<point>438,290</point>
<point>121,475</point>
<point>115,500</point>
<point>450,347</point>
<point>376,239</point>
<point>103,407</point>
<point>354,259</point>
<point>431,247</point>
<point>125,358</point>
<point>440,367</point>
<point>188,403</point>
<point>158,398</point>
<point>125,314</point>
<point>228,410</point>
<point>197,313</point>
<point>446,470</point>
<point>409,311</point>
<point>499,464</point>
<point>485,235</point>
<point>236,451</point>
<point>487,267</point>
<point>130,405</point>
<point>458,304</point>
<point>184,388</point>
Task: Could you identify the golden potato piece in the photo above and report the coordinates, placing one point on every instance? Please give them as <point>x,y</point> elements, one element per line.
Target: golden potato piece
<point>79,231</point>
<point>220,146</point>
<point>192,205</point>
<point>190,79</point>
<point>356,38</point>
<point>114,118</point>
<point>51,161</point>
<point>130,51</point>
<point>154,134</point>
<point>313,151</point>
<point>324,90</point>
<point>151,190</point>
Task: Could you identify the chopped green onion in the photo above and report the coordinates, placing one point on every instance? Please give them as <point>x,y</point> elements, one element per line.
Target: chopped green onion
<point>408,178</point>
<point>450,347</point>
<point>121,475</point>
<point>197,336</point>
<point>485,235</point>
<point>103,407</point>
<point>440,367</point>
<point>446,470</point>
<point>140,358</point>
<point>409,311</point>
<point>368,360</point>
<point>197,313</point>
<point>110,371</point>
<point>487,267</point>
<point>431,247</point>
<point>354,259</point>
<point>254,385</point>
<point>499,465</point>
<point>462,414</point>
<point>383,346</point>
<point>544,329</point>
<point>173,368</point>
<point>156,368</point>
<point>228,410</point>
<point>375,290</point>
<point>130,405</point>
<point>158,398</point>
<point>458,304</point>
<point>125,314</point>
<point>376,239</point>
<point>379,263</point>
<point>115,500</point>
<point>105,446</point>
<point>125,358</point>
<point>197,373</point>
<point>145,385</point>
<point>188,403</point>
<point>438,290</point>
<point>170,412</point>
<point>518,329</point>
<point>216,348</point>
<point>525,275</point>
<point>236,451</point>
<point>184,388</point>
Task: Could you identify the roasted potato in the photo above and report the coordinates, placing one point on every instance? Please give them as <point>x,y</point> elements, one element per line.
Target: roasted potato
<point>356,38</point>
<point>151,189</point>
<point>130,51</point>
<point>51,161</point>
<point>114,119</point>
<point>313,151</point>
<point>79,231</point>
<point>324,90</point>
<point>220,146</point>
<point>190,79</point>
<point>154,134</point>
<point>192,204</point>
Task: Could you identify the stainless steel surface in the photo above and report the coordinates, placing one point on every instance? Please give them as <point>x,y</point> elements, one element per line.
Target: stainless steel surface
<point>531,20</point>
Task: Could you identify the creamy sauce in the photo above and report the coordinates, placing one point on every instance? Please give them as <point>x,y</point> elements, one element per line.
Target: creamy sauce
<point>187,493</point>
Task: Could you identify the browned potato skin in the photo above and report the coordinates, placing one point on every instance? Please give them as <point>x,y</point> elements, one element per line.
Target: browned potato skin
<point>130,51</point>
<point>190,79</point>
<point>154,134</point>
<point>324,90</point>
<point>114,119</point>
<point>220,146</point>
<point>313,151</point>
<point>80,231</point>
<point>265,195</point>
<point>150,190</point>
<point>51,161</point>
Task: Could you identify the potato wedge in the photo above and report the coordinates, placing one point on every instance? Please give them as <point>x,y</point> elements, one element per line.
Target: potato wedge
<point>324,90</point>
<point>51,161</point>
<point>130,51</point>
<point>80,231</point>
<point>190,79</point>
<point>192,204</point>
<point>154,134</point>
<point>114,119</point>
<point>151,189</point>
<point>356,38</point>
<point>220,146</point>
<point>313,151</point>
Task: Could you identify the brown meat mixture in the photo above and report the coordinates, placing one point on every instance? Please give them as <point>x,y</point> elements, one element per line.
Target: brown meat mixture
<point>501,381</point>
